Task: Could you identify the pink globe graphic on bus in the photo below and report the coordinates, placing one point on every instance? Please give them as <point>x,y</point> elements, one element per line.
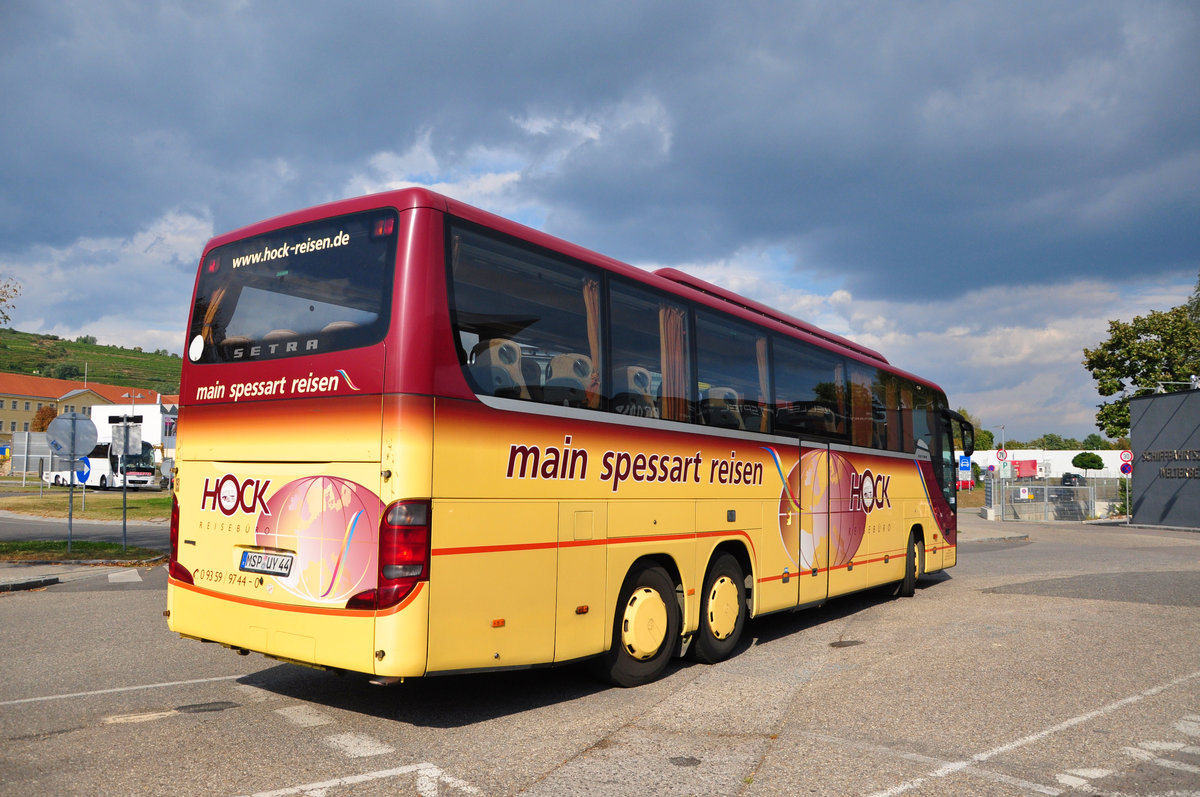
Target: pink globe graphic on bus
<point>333,526</point>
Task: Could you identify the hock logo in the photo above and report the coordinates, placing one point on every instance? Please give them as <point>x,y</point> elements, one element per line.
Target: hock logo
<point>229,495</point>
<point>869,492</point>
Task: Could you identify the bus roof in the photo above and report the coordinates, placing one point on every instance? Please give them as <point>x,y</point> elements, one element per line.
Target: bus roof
<point>697,284</point>
<point>668,279</point>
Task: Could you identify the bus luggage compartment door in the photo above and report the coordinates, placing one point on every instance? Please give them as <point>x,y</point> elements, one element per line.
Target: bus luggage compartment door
<point>580,621</point>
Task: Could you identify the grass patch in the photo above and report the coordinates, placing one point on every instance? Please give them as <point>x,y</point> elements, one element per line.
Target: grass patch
<point>56,551</point>
<point>97,505</point>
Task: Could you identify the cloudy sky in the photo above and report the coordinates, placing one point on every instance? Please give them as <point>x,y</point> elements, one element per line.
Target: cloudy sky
<point>973,189</point>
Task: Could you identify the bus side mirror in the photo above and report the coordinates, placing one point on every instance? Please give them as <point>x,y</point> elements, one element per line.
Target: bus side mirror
<point>968,439</point>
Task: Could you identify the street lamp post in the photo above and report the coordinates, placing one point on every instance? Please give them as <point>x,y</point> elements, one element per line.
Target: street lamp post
<point>125,466</point>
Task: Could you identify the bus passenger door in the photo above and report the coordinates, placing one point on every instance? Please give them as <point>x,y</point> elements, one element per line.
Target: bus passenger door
<point>846,526</point>
<point>580,622</point>
<point>810,489</point>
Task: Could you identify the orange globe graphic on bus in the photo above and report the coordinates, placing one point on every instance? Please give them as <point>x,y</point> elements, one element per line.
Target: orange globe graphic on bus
<point>846,526</point>
<point>821,482</point>
<point>333,526</point>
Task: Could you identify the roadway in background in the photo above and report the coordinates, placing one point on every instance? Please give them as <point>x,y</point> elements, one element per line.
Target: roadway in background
<point>1062,664</point>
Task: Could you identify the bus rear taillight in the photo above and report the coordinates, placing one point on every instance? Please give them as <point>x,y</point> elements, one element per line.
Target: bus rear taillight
<point>174,569</point>
<point>403,555</point>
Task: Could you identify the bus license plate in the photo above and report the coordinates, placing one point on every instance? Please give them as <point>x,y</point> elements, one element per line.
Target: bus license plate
<point>272,564</point>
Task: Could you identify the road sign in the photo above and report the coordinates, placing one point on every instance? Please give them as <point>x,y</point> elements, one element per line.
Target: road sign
<point>1001,455</point>
<point>127,439</point>
<point>71,433</point>
<point>1127,468</point>
<point>964,463</point>
<point>1127,456</point>
<point>85,469</point>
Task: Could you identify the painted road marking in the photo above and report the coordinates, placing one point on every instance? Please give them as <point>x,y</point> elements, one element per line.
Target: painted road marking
<point>118,689</point>
<point>304,716</point>
<point>145,717</point>
<point>1079,778</point>
<point>979,758</point>
<point>429,777</point>
<point>986,774</point>
<point>358,745</point>
<point>1166,763</point>
<point>124,576</point>
<point>253,694</point>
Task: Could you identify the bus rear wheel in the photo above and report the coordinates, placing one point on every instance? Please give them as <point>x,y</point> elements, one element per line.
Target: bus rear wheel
<point>645,629</point>
<point>914,566</point>
<point>722,611</point>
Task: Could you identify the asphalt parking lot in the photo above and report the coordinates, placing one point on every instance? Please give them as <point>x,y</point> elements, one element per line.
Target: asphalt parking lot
<point>1056,660</point>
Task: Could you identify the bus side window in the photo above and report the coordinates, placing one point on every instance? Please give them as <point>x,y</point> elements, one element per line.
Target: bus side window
<point>515,311</point>
<point>810,391</point>
<point>732,372</point>
<point>649,350</point>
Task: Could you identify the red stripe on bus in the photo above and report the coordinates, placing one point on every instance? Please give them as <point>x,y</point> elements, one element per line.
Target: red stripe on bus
<point>331,611</point>
<point>539,546</point>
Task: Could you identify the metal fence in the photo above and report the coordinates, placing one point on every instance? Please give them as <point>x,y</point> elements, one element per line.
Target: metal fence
<point>1049,499</point>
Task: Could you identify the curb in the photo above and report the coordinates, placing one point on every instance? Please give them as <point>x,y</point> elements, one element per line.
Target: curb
<point>33,583</point>
<point>1012,538</point>
<point>90,562</point>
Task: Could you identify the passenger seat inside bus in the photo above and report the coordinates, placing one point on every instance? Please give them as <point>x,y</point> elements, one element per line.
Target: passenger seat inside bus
<point>567,380</point>
<point>496,367</point>
<point>631,392</point>
<point>720,408</point>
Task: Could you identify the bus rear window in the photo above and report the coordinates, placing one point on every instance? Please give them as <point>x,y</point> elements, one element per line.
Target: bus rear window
<point>311,289</point>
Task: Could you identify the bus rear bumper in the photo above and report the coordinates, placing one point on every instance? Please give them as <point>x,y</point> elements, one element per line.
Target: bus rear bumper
<point>392,643</point>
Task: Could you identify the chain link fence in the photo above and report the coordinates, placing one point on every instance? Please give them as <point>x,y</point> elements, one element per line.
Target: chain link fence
<point>1049,499</point>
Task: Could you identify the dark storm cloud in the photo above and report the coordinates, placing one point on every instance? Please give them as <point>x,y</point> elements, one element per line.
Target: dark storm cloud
<point>896,150</point>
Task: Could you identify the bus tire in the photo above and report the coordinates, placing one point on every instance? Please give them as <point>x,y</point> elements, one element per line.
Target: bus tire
<point>645,629</point>
<point>722,611</point>
<point>914,566</point>
<point>103,483</point>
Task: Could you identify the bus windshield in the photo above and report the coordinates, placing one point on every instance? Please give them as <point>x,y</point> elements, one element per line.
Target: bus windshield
<point>307,289</point>
<point>142,461</point>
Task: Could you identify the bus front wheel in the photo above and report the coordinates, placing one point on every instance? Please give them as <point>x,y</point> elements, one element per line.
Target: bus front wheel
<point>722,613</point>
<point>645,629</point>
<point>103,483</point>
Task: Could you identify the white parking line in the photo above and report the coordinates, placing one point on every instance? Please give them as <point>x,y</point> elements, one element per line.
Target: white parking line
<point>958,766</point>
<point>124,576</point>
<point>358,745</point>
<point>428,779</point>
<point>118,689</point>
<point>1166,763</point>
<point>304,716</point>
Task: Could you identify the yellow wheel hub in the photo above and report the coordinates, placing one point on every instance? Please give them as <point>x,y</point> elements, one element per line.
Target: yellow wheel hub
<point>644,624</point>
<point>723,608</point>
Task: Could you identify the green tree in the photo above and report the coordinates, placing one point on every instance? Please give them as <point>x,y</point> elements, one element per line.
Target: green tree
<point>984,440</point>
<point>1054,442</point>
<point>1086,460</point>
<point>1137,356</point>
<point>1097,443</point>
<point>10,289</point>
<point>1193,305</point>
<point>86,339</point>
<point>65,371</point>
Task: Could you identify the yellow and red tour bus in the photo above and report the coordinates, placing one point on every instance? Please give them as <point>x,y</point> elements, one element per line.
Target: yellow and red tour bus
<point>417,438</point>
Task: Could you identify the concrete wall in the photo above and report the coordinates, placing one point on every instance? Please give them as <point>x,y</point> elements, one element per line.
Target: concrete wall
<point>1165,431</point>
